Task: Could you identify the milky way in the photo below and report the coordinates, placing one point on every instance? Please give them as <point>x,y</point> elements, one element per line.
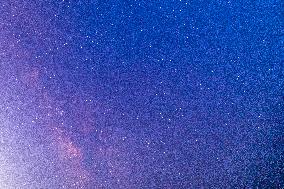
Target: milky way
<point>141,94</point>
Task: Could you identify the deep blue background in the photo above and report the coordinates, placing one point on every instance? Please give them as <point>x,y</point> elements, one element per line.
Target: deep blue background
<point>178,94</point>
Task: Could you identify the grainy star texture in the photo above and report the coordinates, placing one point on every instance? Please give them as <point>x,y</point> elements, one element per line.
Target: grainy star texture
<point>140,94</point>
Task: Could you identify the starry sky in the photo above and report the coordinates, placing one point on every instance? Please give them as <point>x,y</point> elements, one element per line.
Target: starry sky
<point>139,94</point>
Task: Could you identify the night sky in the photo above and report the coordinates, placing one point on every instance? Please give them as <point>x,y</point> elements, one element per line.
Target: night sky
<point>164,94</point>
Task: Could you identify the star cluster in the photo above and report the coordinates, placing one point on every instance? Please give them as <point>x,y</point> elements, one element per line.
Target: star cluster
<point>141,94</point>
